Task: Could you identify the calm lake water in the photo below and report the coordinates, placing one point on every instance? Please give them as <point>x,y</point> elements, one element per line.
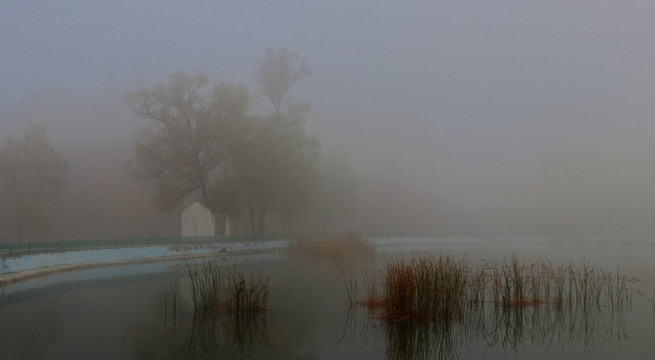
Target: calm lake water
<point>130,313</point>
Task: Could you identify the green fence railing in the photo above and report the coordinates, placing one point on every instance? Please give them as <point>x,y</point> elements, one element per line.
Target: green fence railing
<point>68,245</point>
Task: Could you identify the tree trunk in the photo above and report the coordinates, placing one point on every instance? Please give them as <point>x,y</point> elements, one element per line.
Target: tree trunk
<point>203,191</point>
<point>260,222</point>
<point>19,228</point>
<point>251,219</point>
<point>251,212</point>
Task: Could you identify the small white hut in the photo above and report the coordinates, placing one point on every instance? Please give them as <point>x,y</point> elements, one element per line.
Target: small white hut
<point>198,220</point>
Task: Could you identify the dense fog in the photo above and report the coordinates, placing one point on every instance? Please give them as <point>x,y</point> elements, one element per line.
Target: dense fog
<point>434,118</point>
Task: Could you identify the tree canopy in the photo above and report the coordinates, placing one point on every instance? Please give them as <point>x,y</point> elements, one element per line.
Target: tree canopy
<point>282,170</point>
<point>205,143</point>
<point>181,151</point>
<point>32,176</point>
<point>276,75</point>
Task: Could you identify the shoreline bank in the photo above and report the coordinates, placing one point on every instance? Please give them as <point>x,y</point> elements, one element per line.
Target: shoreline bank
<point>27,267</point>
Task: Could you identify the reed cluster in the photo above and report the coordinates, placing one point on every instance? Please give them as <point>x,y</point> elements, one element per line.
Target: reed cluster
<point>424,288</point>
<point>516,284</point>
<point>431,287</point>
<point>335,247</point>
<point>213,289</point>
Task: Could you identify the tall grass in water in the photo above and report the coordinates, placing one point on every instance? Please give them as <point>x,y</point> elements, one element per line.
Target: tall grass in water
<point>422,288</point>
<point>215,290</point>
<point>204,286</point>
<point>430,287</point>
<point>409,340</point>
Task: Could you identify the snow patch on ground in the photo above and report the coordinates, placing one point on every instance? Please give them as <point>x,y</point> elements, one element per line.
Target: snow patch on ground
<point>68,279</point>
<point>39,261</point>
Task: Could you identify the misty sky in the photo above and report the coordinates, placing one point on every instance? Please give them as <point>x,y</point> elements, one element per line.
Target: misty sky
<point>452,92</point>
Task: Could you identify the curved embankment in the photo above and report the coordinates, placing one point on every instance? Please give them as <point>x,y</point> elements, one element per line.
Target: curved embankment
<point>25,267</point>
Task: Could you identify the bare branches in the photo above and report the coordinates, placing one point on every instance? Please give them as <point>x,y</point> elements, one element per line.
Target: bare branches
<point>277,74</point>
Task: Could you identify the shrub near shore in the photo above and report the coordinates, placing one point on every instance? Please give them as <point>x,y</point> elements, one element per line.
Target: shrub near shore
<point>334,247</point>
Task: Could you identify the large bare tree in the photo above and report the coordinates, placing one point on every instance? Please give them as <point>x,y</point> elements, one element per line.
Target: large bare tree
<point>283,173</point>
<point>277,73</point>
<point>181,151</point>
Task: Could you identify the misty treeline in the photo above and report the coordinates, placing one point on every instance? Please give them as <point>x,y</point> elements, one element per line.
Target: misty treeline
<point>241,152</point>
<point>247,152</point>
<point>32,175</point>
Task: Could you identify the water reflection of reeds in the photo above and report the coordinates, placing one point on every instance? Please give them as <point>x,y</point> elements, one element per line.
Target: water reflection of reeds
<point>544,326</point>
<point>504,329</point>
<point>207,335</point>
<point>420,340</point>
